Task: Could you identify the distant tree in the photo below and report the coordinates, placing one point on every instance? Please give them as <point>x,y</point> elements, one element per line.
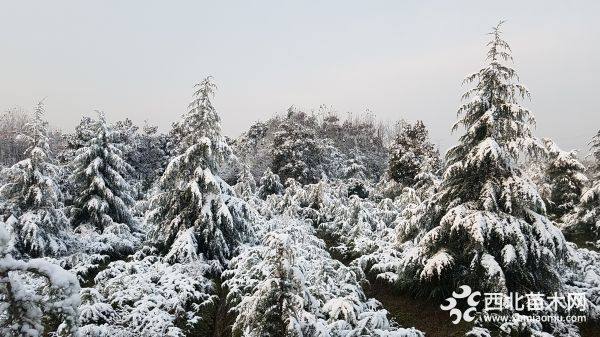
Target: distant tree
<point>145,150</point>
<point>84,132</point>
<point>193,211</point>
<point>492,234</point>
<point>565,178</point>
<point>12,123</point>
<point>411,153</point>
<point>588,219</point>
<point>246,185</point>
<point>297,153</point>
<point>102,195</point>
<point>595,148</point>
<point>269,184</point>
<point>33,195</point>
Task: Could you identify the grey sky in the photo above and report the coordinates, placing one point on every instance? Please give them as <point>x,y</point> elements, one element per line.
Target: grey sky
<point>400,59</point>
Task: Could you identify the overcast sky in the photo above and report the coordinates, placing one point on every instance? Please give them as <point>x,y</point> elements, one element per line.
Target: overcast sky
<point>400,59</point>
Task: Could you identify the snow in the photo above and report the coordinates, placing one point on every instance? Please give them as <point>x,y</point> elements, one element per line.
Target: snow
<point>170,235</point>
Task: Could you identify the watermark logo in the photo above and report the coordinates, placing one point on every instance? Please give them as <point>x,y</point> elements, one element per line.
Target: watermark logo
<point>533,304</point>
<point>465,293</point>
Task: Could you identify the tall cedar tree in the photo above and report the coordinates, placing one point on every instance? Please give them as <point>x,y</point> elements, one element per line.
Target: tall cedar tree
<point>34,195</point>
<point>103,196</point>
<point>194,211</point>
<point>492,232</point>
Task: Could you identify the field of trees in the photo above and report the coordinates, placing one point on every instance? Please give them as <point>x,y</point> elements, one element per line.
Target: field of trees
<point>308,224</point>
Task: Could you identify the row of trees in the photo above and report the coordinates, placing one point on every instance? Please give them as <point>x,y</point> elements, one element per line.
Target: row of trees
<point>479,217</point>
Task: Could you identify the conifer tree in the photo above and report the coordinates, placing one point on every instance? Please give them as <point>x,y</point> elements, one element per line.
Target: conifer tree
<point>589,214</point>
<point>595,147</point>
<point>103,196</point>
<point>276,307</point>
<point>412,153</point>
<point>269,184</point>
<point>491,231</point>
<point>246,185</point>
<point>564,175</point>
<point>297,153</point>
<point>194,212</point>
<point>33,194</point>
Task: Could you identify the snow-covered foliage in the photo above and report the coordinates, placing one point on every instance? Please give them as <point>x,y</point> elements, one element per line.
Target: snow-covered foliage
<point>337,148</point>
<point>195,212</point>
<point>12,123</point>
<point>270,183</point>
<point>588,218</point>
<point>412,155</point>
<point>173,236</point>
<point>150,297</point>
<point>298,154</point>
<point>32,195</point>
<point>565,181</point>
<point>275,290</point>
<point>353,228</point>
<point>246,185</point>
<point>33,290</point>
<point>103,196</point>
<point>145,149</point>
<point>491,230</point>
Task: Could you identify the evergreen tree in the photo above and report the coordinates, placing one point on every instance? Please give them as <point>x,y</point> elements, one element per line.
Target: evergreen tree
<point>412,153</point>
<point>353,167</point>
<point>564,175</point>
<point>297,153</point>
<point>276,306</point>
<point>145,150</point>
<point>84,133</point>
<point>589,213</point>
<point>491,230</point>
<point>595,147</point>
<point>31,292</point>
<point>269,184</point>
<point>33,194</point>
<point>103,196</point>
<point>194,211</point>
<point>246,185</point>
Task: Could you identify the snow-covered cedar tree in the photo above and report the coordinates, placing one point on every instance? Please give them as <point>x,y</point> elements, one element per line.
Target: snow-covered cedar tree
<point>83,134</point>
<point>588,218</point>
<point>269,184</point>
<point>195,212</point>
<point>12,122</point>
<point>491,232</point>
<point>102,195</point>
<point>276,306</point>
<point>152,155</point>
<point>275,290</point>
<point>595,152</point>
<point>352,228</point>
<point>412,153</point>
<point>146,150</point>
<point>297,153</point>
<point>246,185</point>
<point>354,167</point>
<point>31,292</point>
<point>565,178</point>
<point>151,297</point>
<point>339,140</point>
<point>33,194</point>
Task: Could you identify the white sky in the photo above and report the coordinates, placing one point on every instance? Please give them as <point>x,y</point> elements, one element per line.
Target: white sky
<point>400,59</point>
